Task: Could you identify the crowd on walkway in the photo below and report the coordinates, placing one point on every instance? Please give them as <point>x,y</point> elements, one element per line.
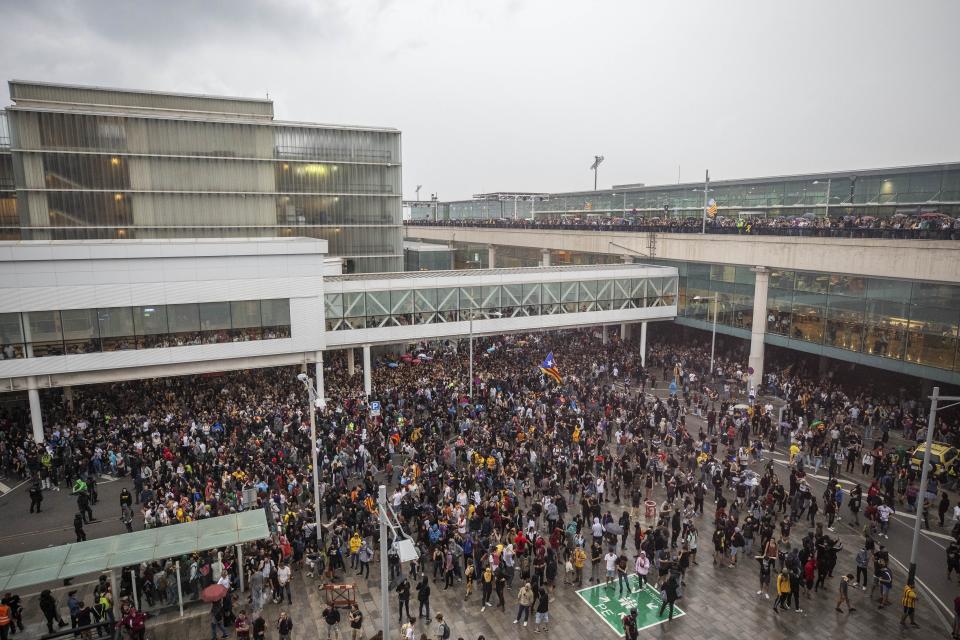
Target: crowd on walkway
<point>921,225</point>
<point>524,485</point>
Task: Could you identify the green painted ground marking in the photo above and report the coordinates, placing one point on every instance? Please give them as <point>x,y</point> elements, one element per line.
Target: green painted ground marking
<point>612,607</point>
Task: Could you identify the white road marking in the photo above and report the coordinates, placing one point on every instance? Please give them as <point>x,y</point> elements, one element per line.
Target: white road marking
<point>930,593</point>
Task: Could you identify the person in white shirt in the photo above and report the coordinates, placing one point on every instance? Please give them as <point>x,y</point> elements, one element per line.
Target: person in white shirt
<point>884,510</point>
<point>596,530</point>
<point>611,561</point>
<point>283,578</point>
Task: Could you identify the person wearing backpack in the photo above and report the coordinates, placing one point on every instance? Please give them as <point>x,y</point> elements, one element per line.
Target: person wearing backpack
<point>356,620</point>
<point>442,629</point>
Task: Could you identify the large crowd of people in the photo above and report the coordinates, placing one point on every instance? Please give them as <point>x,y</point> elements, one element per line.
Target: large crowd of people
<point>923,226</point>
<point>527,483</point>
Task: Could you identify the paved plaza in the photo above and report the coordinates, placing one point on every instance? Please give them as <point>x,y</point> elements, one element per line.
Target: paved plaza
<point>718,602</point>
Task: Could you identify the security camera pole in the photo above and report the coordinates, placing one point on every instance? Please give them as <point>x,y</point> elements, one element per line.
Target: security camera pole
<point>316,400</point>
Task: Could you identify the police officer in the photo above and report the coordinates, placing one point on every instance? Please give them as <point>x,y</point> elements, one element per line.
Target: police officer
<point>36,497</point>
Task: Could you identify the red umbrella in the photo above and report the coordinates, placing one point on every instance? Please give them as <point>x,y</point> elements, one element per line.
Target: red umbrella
<point>213,593</point>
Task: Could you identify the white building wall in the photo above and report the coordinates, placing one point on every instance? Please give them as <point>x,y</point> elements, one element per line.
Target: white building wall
<point>43,276</point>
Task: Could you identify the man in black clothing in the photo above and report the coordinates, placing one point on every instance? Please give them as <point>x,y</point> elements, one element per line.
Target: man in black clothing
<point>630,625</point>
<point>36,497</point>
<point>403,595</point>
<point>423,597</point>
<point>332,617</point>
<point>78,527</point>
<point>83,504</point>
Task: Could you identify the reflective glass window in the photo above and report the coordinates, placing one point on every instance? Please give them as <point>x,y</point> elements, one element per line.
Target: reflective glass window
<point>150,320</point>
<point>276,313</point>
<point>245,314</point>
<point>845,323</point>
<point>214,316</point>
<point>46,336</point>
<point>810,281</point>
<point>80,330</point>
<point>782,280</point>
<point>883,289</point>
<point>183,318</point>
<point>807,323</point>
<point>11,336</point>
<point>116,328</point>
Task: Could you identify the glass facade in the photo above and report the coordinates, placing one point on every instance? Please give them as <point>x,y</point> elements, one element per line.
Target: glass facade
<point>365,309</point>
<point>427,260</point>
<point>55,333</point>
<point>136,175</point>
<point>879,193</point>
<point>914,322</point>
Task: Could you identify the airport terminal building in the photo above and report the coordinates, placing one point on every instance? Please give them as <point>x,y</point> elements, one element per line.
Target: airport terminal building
<point>93,163</point>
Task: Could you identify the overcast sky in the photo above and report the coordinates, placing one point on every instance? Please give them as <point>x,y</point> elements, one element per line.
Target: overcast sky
<point>520,95</point>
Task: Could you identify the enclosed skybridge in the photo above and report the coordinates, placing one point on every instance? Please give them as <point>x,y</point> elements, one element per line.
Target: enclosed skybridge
<point>366,309</point>
<point>89,312</point>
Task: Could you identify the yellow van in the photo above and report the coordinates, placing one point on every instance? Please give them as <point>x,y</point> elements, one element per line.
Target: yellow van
<point>941,456</point>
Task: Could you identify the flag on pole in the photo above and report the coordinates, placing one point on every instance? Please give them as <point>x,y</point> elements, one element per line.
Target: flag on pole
<point>712,208</point>
<point>549,368</point>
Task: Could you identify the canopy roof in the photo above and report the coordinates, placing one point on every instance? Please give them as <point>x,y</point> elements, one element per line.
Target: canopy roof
<point>80,558</point>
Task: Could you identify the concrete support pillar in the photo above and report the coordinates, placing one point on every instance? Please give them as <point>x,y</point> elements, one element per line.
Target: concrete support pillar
<point>304,367</point>
<point>544,257</point>
<point>643,344</point>
<point>351,364</point>
<point>759,329</point>
<point>36,417</point>
<point>240,568</point>
<point>367,371</point>
<point>68,397</point>
<point>491,256</point>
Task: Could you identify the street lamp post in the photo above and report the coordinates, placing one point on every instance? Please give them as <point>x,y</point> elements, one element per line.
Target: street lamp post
<point>706,190</point>
<point>924,476</point>
<point>316,399</point>
<point>826,204</point>
<point>713,338</point>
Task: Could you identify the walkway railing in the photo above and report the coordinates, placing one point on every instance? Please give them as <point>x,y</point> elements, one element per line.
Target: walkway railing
<point>885,233</point>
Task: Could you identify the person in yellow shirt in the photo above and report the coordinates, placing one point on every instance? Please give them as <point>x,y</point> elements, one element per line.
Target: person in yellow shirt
<point>579,558</point>
<point>794,451</point>
<point>355,541</point>
<point>909,602</point>
<point>783,591</point>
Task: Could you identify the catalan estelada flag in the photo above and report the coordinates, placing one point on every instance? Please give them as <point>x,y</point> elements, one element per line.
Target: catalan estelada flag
<point>712,208</point>
<point>549,368</point>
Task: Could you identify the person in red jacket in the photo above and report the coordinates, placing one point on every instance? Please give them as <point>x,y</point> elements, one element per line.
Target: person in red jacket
<point>809,574</point>
<point>520,543</point>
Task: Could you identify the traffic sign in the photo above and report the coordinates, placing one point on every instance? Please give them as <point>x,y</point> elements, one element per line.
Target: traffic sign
<point>375,408</point>
<point>612,608</point>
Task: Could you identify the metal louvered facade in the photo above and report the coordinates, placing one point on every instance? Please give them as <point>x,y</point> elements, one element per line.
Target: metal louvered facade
<point>94,163</point>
